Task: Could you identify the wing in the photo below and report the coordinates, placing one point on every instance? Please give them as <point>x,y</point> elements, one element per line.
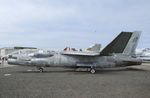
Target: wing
<point>77,53</point>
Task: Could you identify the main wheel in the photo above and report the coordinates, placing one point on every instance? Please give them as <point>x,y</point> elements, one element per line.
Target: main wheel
<point>92,71</point>
<point>41,69</point>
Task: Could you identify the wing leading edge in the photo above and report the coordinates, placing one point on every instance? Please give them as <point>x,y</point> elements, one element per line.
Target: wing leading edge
<point>77,53</point>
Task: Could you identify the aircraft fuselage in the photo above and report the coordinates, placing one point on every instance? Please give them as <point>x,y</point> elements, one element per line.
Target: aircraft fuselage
<point>59,60</point>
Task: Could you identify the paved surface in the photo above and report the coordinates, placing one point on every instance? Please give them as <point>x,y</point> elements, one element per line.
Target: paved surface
<point>4,64</point>
<point>25,82</point>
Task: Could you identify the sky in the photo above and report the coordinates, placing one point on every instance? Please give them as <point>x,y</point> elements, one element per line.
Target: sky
<point>55,24</point>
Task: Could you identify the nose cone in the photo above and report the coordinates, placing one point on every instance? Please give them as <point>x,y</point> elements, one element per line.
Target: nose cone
<point>11,61</point>
<point>19,61</point>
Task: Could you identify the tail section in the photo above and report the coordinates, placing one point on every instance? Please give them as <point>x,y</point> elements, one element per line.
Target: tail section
<point>125,43</point>
<point>132,44</point>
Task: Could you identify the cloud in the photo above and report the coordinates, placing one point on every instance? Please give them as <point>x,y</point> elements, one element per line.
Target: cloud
<point>15,12</point>
<point>77,23</point>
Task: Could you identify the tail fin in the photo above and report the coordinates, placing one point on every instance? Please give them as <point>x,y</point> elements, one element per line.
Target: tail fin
<point>125,43</point>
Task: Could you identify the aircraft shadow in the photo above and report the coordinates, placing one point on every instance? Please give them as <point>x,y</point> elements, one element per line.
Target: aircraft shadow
<point>65,71</point>
<point>118,70</point>
<point>99,71</point>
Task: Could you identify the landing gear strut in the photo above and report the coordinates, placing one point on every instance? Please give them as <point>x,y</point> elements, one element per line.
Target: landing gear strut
<point>92,69</point>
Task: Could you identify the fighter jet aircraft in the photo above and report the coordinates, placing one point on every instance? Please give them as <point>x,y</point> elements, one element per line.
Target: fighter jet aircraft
<point>119,53</point>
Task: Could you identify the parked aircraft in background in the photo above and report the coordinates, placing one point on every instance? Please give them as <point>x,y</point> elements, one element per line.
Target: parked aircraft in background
<point>27,54</point>
<point>144,54</point>
<point>118,53</point>
<point>94,48</point>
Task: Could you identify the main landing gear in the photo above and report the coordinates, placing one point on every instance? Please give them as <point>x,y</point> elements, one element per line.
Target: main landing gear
<point>92,70</point>
<point>40,69</point>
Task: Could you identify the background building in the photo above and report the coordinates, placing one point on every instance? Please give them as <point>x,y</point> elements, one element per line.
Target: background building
<point>7,50</point>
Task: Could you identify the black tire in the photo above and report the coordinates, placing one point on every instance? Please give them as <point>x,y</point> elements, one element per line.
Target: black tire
<point>92,71</point>
<point>41,69</point>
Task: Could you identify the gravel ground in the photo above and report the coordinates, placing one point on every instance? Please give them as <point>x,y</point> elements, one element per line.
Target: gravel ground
<point>26,82</point>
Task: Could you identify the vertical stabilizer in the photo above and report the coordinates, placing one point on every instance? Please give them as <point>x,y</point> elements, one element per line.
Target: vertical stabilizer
<point>125,42</point>
<point>132,44</point>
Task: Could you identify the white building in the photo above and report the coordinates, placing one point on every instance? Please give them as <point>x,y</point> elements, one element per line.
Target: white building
<point>7,50</point>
